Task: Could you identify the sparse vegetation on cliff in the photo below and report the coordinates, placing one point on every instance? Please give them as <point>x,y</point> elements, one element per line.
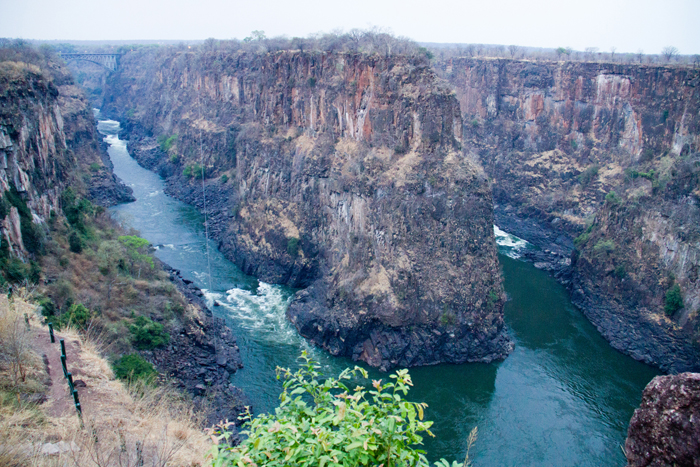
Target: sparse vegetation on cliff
<point>674,300</point>
<point>167,142</point>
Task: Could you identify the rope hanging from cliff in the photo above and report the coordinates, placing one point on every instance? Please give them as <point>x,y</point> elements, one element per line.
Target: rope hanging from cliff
<point>204,191</point>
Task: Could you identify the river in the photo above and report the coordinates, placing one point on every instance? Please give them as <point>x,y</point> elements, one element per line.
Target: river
<point>563,397</point>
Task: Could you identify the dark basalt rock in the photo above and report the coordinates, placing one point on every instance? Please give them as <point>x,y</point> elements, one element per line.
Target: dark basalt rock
<point>201,357</point>
<point>665,429</point>
<point>107,190</point>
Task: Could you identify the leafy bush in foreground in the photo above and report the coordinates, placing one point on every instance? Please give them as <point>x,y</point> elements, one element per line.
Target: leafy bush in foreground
<point>328,424</point>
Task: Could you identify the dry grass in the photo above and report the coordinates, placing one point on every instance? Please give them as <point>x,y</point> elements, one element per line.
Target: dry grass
<point>138,425</point>
<point>123,425</point>
<point>19,366</point>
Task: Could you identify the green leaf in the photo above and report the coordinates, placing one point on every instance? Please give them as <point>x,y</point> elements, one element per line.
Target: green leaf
<point>354,445</point>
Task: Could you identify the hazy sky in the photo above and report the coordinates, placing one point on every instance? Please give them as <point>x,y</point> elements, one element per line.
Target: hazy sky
<point>628,25</point>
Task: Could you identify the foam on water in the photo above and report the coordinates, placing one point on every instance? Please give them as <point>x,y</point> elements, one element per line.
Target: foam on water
<point>108,127</point>
<point>261,311</point>
<point>508,244</point>
<point>114,141</point>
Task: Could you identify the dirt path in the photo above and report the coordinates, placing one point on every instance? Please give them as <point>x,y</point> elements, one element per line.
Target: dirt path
<point>60,401</point>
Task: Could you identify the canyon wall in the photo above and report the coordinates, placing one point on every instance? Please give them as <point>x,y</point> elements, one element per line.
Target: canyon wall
<point>597,165</point>
<point>338,173</point>
<point>48,142</point>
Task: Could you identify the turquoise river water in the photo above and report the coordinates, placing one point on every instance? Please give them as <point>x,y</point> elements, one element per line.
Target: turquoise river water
<point>563,397</point>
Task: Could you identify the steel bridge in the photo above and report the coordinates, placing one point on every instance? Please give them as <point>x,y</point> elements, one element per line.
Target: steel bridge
<point>109,61</point>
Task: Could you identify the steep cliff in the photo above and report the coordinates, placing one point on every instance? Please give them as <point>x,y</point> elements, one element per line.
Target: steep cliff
<point>556,139</point>
<point>338,173</point>
<point>48,141</point>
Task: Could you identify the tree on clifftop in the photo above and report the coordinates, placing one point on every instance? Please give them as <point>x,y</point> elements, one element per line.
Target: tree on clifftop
<point>669,52</point>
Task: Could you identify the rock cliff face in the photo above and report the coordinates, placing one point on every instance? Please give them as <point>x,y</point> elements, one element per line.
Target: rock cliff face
<point>665,429</point>
<point>557,139</point>
<point>342,174</point>
<point>47,139</point>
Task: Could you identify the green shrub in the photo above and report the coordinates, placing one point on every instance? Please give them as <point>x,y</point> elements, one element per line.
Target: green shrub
<point>582,239</point>
<point>4,208</point>
<point>425,52</point>
<point>604,247</point>
<point>312,82</point>
<point>588,175</point>
<point>4,249</point>
<point>448,318</point>
<point>14,198</point>
<point>193,170</point>
<point>147,335</point>
<point>674,300</point>
<point>401,149</point>
<point>325,423</point>
<point>34,272</point>
<point>648,175</point>
<point>224,178</point>
<point>166,142</point>
<point>136,249</point>
<point>76,210</point>
<point>174,158</point>
<point>612,198</point>
<point>74,242</point>
<point>95,167</point>
<point>133,367</point>
<point>31,235</point>
<point>48,307</point>
<point>15,271</point>
<point>77,316</point>
<point>293,246</point>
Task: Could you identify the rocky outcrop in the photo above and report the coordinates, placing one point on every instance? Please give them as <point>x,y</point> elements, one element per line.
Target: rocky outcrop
<point>339,173</point>
<point>665,429</point>
<point>557,139</point>
<point>47,141</point>
<point>200,357</point>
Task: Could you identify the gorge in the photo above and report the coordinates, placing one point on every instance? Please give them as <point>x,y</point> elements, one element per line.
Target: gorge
<point>574,151</point>
<point>344,176</point>
<point>344,200</point>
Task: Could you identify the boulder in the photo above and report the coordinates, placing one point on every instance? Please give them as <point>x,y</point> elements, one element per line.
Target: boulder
<point>665,429</point>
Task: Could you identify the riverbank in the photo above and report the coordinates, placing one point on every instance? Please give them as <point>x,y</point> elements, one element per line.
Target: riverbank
<point>201,357</point>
